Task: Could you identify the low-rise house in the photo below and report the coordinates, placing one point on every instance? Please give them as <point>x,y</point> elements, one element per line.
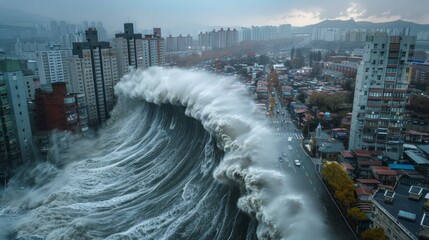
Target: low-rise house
<point>385,175</point>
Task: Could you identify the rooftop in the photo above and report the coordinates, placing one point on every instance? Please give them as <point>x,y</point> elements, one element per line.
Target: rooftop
<point>384,171</point>
<point>366,153</point>
<point>362,191</point>
<point>346,154</point>
<point>368,180</point>
<point>401,167</point>
<point>424,148</point>
<point>416,157</point>
<point>402,203</point>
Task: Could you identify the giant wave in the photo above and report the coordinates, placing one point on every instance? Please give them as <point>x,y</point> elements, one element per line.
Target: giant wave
<point>182,157</point>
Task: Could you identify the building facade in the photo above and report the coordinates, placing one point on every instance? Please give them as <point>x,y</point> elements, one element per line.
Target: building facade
<point>16,107</point>
<point>153,49</point>
<point>59,110</point>
<point>9,149</point>
<point>218,39</point>
<point>94,73</point>
<point>54,65</point>
<point>380,95</point>
<point>179,43</point>
<point>129,49</point>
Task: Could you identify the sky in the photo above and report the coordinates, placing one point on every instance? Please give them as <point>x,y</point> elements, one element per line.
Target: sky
<point>202,15</point>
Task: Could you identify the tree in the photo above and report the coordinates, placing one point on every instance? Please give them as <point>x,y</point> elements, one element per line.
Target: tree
<point>340,183</point>
<point>301,97</point>
<point>356,214</point>
<point>373,234</point>
<point>264,59</point>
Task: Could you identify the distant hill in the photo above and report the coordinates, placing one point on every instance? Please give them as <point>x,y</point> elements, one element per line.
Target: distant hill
<point>351,24</point>
<point>20,18</point>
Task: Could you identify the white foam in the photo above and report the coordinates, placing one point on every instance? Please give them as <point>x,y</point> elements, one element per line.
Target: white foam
<point>224,109</point>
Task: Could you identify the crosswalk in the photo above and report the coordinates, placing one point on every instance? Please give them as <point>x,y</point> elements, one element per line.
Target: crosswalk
<point>292,135</point>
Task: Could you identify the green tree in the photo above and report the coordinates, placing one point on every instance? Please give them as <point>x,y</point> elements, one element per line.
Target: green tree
<point>264,59</point>
<point>301,97</point>
<point>373,234</point>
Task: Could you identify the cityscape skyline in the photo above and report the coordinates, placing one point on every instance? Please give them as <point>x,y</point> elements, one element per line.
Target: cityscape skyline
<point>181,17</point>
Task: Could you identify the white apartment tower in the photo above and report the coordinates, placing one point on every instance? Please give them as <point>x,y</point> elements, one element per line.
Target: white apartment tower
<point>135,51</point>
<point>53,65</point>
<point>154,49</point>
<point>380,94</point>
<point>129,50</point>
<point>94,73</point>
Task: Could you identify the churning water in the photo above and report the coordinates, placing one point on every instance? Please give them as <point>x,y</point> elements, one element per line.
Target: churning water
<point>183,157</point>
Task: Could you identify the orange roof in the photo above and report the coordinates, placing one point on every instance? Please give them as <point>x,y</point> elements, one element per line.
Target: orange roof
<point>346,154</point>
<point>366,153</point>
<point>362,191</point>
<point>384,171</point>
<point>368,181</point>
<point>347,166</point>
<point>369,163</point>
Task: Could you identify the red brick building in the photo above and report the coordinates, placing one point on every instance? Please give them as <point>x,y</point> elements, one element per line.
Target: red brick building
<point>57,109</point>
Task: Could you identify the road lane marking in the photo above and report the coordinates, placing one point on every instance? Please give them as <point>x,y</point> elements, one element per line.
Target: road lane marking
<point>310,181</point>
<point>306,174</point>
<point>314,189</point>
<point>325,209</point>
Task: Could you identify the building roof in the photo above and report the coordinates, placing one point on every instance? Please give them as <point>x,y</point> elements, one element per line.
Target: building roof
<point>362,191</point>
<point>412,132</point>
<point>369,162</point>
<point>384,171</point>
<point>402,202</point>
<point>348,166</point>
<point>424,148</point>
<point>401,167</point>
<point>416,157</point>
<point>346,154</point>
<point>331,147</point>
<point>366,153</point>
<point>368,181</point>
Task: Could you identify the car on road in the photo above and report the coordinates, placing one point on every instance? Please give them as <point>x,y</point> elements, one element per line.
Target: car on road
<point>289,139</point>
<point>289,147</point>
<point>297,162</point>
<point>280,159</point>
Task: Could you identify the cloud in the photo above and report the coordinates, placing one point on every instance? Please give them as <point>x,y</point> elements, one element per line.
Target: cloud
<point>300,17</point>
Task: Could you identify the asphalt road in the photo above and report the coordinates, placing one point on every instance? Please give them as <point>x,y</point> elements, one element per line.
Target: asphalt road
<point>305,178</point>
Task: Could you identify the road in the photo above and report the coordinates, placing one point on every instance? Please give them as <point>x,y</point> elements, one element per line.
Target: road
<point>305,178</point>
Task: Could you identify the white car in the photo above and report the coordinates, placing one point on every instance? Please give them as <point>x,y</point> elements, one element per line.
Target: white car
<point>290,147</point>
<point>297,162</point>
<point>289,139</point>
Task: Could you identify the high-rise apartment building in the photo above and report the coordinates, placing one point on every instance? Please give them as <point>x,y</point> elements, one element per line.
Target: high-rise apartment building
<point>54,65</point>
<point>380,94</point>
<point>218,39</point>
<point>94,72</point>
<point>15,109</point>
<point>9,149</point>
<point>129,49</point>
<point>154,49</point>
<point>179,43</point>
<point>134,50</point>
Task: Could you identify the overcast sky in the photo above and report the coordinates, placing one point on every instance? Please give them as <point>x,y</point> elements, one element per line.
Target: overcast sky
<point>197,14</point>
